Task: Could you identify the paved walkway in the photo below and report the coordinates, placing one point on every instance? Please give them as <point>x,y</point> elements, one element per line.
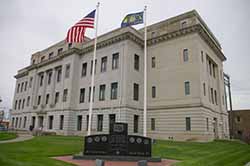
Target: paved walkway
<point>69,159</point>
<point>20,138</point>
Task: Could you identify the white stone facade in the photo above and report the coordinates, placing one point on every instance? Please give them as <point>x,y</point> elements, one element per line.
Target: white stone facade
<point>185,83</point>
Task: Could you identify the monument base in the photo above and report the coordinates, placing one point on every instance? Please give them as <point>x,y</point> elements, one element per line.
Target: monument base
<point>116,158</point>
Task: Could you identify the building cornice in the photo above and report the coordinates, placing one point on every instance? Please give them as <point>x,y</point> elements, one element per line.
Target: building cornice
<point>189,30</point>
<point>135,37</point>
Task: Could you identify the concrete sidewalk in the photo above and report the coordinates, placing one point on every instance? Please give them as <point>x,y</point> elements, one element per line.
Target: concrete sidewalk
<point>20,137</point>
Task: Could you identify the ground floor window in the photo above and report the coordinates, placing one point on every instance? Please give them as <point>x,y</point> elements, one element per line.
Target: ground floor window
<point>61,122</point>
<point>99,122</point>
<point>24,122</point>
<point>51,122</point>
<point>152,124</point>
<point>87,122</point>
<point>188,124</point>
<point>79,122</point>
<point>136,123</point>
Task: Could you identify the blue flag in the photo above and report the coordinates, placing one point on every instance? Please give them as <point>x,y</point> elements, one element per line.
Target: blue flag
<point>132,19</point>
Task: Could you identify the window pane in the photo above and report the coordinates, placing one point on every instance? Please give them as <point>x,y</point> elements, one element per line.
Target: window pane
<point>84,69</point>
<point>187,88</point>
<point>99,122</point>
<point>153,62</point>
<point>136,92</point>
<point>185,55</point>
<point>115,61</point>
<point>188,123</point>
<point>136,123</point>
<point>136,62</point>
<point>114,88</point>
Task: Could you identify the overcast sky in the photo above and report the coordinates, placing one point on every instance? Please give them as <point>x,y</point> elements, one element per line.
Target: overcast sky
<point>27,26</point>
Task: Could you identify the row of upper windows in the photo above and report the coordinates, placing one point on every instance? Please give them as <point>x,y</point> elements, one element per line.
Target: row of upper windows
<point>212,95</point>
<point>102,90</point>
<point>104,60</point>
<point>51,54</point>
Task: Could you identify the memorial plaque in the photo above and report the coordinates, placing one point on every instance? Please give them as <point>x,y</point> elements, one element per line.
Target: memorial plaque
<point>118,143</point>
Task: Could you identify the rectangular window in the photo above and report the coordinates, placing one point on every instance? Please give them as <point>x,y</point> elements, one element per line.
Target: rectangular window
<point>51,55</point>
<point>49,75</point>
<point>185,55</point>
<point>183,24</point>
<point>18,87</point>
<point>187,88</point>
<point>47,99</point>
<point>102,93</point>
<point>69,45</point>
<point>115,61</point>
<point>16,104</point>
<point>79,122</point>
<point>93,98</point>
<point>59,51</point>
<point>42,58</point>
<point>51,118</point>
<point>39,100</point>
<point>214,69</point>
<point>30,83</point>
<point>24,122</point>
<point>212,95</point>
<point>114,89</point>
<point>41,79</point>
<point>152,124</point>
<point>67,71</point>
<point>23,104</point>
<point>56,97</point>
<point>20,122</point>
<point>136,123</point>
<point>91,67</point>
<point>153,62</point>
<point>136,92</point>
<point>210,67</point>
<point>26,84</point>
<point>65,94</point>
<point>84,69</point>
<point>207,122</point>
<point>61,122</point>
<point>215,97</point>
<point>204,89</point>
<point>99,122</point>
<point>82,95</point>
<point>111,119</point>
<point>87,122</point>
<point>202,57</point>
<point>22,86</point>
<point>19,104</point>
<point>104,61</point>
<point>136,62</point>
<point>59,74</point>
<point>28,101</point>
<point>188,124</point>
<point>153,91</point>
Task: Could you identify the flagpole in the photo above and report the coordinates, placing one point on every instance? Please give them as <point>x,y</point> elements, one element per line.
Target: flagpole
<point>145,75</point>
<point>93,71</point>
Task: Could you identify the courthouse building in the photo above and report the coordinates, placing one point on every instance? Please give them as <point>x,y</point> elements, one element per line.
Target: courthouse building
<point>185,83</point>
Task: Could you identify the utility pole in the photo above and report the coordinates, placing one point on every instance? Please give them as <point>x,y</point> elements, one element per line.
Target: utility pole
<point>228,86</point>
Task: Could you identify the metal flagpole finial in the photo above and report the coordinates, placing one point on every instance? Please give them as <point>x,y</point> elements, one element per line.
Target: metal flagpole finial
<point>98,4</point>
<point>145,7</point>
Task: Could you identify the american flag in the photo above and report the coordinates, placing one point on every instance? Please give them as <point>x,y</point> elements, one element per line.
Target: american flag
<point>76,32</point>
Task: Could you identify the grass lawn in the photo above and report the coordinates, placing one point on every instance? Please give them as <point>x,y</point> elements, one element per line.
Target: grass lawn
<point>6,136</point>
<point>217,153</point>
<point>36,152</point>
